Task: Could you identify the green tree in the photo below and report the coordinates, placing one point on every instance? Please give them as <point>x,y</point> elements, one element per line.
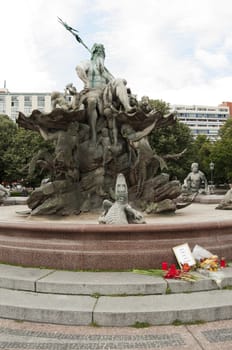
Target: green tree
<point>222,154</point>
<point>171,140</point>
<point>176,138</point>
<point>17,158</point>
<point>7,132</point>
<point>17,147</point>
<point>203,149</point>
<point>160,106</point>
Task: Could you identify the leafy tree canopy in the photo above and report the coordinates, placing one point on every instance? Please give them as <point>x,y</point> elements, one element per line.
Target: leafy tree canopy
<point>222,154</point>
<point>17,147</point>
<point>172,140</point>
<point>7,131</point>
<point>160,106</point>
<point>203,153</point>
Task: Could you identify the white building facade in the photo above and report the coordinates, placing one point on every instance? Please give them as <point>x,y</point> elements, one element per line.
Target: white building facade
<point>11,103</point>
<point>203,120</point>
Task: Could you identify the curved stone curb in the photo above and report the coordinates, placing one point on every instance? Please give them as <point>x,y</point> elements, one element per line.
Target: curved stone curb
<point>46,308</point>
<point>164,309</point>
<point>20,200</point>
<point>83,298</point>
<point>115,311</point>
<point>104,283</point>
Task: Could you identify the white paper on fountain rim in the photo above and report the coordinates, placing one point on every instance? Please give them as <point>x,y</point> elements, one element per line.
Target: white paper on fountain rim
<point>200,253</point>
<point>183,255</point>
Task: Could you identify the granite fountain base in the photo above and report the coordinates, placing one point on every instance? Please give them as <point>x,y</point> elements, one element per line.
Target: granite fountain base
<point>80,243</point>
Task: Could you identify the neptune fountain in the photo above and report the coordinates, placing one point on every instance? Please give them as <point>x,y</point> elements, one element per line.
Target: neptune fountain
<point>98,133</point>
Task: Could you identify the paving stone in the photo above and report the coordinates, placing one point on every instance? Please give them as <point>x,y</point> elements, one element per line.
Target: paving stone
<point>218,335</point>
<point>103,283</point>
<point>53,337</point>
<point>20,339</point>
<point>213,335</point>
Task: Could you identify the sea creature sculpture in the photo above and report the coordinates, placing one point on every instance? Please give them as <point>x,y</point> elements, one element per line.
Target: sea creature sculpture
<point>120,212</point>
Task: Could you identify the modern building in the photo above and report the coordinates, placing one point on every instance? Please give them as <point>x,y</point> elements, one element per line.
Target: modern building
<point>203,120</point>
<point>227,104</point>
<point>11,103</point>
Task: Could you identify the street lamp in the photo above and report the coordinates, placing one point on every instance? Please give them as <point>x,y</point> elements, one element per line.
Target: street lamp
<point>211,166</point>
<point>211,187</point>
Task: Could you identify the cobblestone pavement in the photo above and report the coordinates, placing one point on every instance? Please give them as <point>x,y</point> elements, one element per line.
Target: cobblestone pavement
<point>33,336</point>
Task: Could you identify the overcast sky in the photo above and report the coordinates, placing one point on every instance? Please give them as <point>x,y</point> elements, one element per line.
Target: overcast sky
<point>179,51</point>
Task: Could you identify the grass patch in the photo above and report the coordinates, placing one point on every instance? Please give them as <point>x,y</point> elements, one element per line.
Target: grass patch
<point>150,272</point>
<point>141,325</point>
<point>180,323</point>
<point>96,295</point>
<point>227,287</point>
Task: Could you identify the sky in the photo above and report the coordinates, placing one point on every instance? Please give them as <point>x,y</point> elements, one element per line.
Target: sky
<point>179,51</point>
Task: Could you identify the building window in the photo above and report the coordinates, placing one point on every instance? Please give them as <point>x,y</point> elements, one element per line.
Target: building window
<point>2,104</point>
<point>27,101</point>
<point>27,110</point>
<point>14,103</point>
<point>41,101</point>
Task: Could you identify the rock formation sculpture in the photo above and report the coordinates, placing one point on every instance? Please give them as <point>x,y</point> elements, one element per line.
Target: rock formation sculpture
<point>4,193</point>
<point>226,202</point>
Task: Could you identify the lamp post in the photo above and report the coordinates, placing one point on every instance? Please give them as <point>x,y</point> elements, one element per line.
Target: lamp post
<point>211,187</point>
<point>211,166</point>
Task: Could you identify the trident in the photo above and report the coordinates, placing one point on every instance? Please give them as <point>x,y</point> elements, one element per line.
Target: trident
<point>74,33</point>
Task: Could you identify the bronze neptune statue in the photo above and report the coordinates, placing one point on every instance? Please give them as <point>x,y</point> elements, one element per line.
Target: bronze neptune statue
<point>97,133</point>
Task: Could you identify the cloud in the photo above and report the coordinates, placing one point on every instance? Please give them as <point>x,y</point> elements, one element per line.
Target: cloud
<point>179,51</point>
<point>212,60</point>
<point>33,43</point>
<point>171,50</point>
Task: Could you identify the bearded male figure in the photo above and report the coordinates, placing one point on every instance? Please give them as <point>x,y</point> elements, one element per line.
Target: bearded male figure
<point>101,89</point>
